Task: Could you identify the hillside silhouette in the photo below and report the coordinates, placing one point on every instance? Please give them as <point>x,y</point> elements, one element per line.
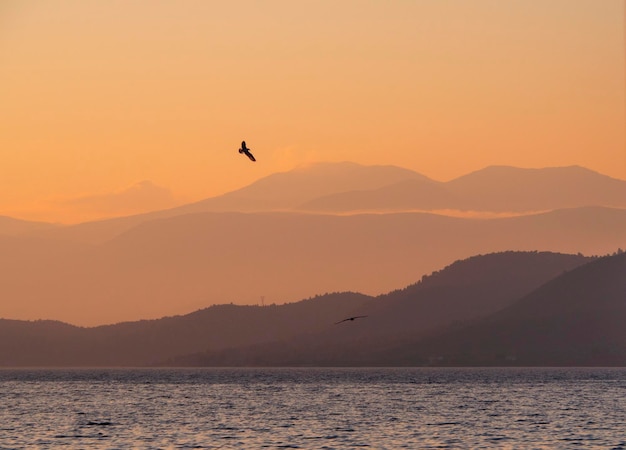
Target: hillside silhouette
<point>53,343</point>
<point>466,289</point>
<point>575,319</point>
<point>256,335</point>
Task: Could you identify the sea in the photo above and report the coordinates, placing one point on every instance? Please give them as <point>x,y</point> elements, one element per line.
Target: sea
<point>316,408</point>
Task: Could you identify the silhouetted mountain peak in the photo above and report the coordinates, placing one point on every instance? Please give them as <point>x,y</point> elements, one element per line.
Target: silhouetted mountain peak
<point>522,173</point>
<point>297,186</point>
<point>575,319</point>
<point>472,287</point>
<point>287,190</point>
<point>597,285</point>
<point>505,188</point>
<point>498,265</point>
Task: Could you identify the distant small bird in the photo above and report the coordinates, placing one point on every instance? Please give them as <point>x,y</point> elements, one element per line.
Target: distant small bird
<point>349,318</point>
<point>246,150</point>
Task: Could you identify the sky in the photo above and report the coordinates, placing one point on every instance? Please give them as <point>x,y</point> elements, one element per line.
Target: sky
<point>114,107</point>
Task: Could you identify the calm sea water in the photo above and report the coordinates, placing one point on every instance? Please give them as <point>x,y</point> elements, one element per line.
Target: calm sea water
<point>313,408</point>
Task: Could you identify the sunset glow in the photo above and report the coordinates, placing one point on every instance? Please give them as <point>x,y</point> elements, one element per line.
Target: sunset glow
<point>100,97</point>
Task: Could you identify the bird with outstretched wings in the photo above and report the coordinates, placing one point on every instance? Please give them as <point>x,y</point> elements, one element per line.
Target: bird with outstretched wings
<point>349,318</point>
<point>245,150</point>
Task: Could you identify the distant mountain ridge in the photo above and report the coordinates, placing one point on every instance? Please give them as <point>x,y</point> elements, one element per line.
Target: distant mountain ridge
<point>283,191</point>
<point>494,189</point>
<point>223,327</point>
<point>349,187</point>
<point>288,190</point>
<point>358,187</point>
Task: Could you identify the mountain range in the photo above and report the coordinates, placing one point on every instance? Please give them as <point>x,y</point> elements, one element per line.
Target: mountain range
<point>349,187</point>
<point>258,244</point>
<point>484,288</point>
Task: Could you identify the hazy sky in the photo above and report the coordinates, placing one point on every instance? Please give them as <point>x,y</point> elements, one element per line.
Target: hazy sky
<point>110,102</point>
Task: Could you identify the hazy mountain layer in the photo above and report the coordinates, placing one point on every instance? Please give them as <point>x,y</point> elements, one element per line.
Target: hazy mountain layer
<point>349,187</point>
<point>496,189</point>
<point>276,192</point>
<point>184,263</point>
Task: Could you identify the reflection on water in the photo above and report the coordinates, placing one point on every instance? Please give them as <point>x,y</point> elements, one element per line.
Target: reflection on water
<point>313,408</point>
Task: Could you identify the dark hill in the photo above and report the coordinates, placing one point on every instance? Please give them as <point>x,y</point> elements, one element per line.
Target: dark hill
<point>462,291</point>
<point>576,319</point>
<point>457,293</point>
<point>470,288</point>
<point>51,343</point>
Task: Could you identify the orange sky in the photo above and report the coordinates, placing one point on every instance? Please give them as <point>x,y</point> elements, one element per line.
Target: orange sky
<point>100,100</point>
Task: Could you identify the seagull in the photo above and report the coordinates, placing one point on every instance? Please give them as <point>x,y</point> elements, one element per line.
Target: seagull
<point>349,318</point>
<point>246,150</point>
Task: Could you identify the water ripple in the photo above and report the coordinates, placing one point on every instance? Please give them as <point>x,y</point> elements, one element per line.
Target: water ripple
<point>323,408</point>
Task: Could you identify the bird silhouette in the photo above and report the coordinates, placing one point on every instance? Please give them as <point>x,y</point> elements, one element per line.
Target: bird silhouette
<point>349,318</point>
<point>246,151</point>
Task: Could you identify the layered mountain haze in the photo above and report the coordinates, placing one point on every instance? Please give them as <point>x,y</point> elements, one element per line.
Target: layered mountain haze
<point>176,265</point>
<point>221,183</point>
<point>350,188</point>
<point>283,191</point>
<point>175,261</point>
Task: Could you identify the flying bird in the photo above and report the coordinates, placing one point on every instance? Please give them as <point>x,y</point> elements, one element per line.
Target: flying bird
<point>349,318</point>
<point>246,150</point>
